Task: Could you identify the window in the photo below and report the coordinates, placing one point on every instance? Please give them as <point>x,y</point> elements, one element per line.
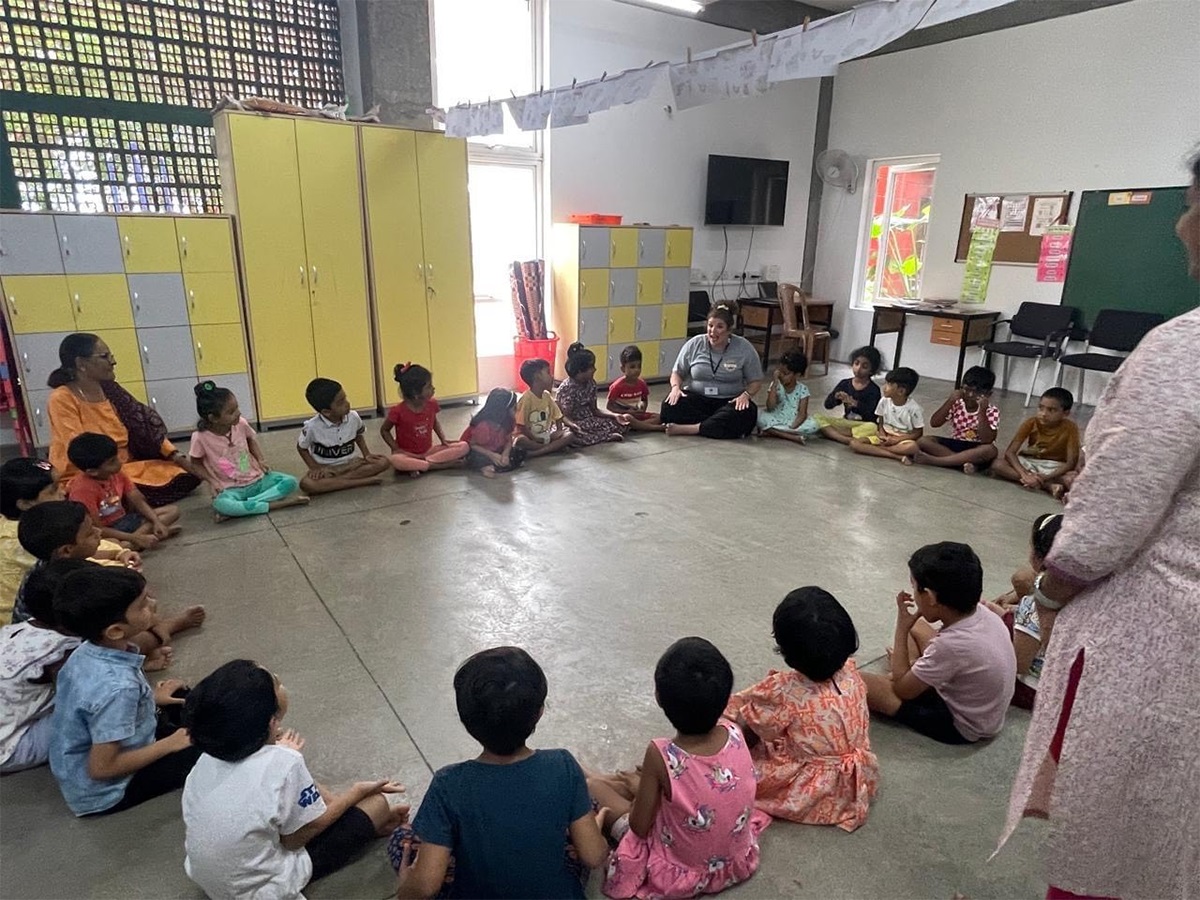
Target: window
<point>892,249</point>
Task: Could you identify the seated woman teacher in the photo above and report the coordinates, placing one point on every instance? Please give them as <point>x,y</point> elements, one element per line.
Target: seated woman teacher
<point>713,382</point>
<point>87,398</point>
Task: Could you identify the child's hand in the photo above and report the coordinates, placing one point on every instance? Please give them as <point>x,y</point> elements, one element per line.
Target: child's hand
<point>376,458</point>
<point>131,559</point>
<point>956,395</point>
<point>316,474</point>
<point>163,691</point>
<point>906,610</point>
<point>160,530</point>
<point>624,418</point>
<point>179,739</point>
<point>365,789</point>
<point>845,398</point>
<point>143,541</point>
<point>290,738</point>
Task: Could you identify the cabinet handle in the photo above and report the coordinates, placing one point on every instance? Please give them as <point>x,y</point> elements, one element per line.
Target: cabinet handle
<point>146,355</point>
<point>668,251</point>
<point>637,325</point>
<point>137,306</point>
<point>420,270</point>
<point>611,326</point>
<point>583,290</point>
<point>12,304</point>
<point>429,269</point>
<point>126,239</point>
<point>199,350</point>
<point>78,304</point>
<point>314,268</point>
<point>613,249</point>
<point>192,300</point>
<point>639,290</point>
<point>641,249</point>
<point>66,246</point>
<point>302,281</point>
<point>183,244</point>
<point>41,418</point>
<point>582,327</point>
<point>583,248</point>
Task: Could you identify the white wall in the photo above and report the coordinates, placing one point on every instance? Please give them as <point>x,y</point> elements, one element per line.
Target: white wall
<point>1102,99</point>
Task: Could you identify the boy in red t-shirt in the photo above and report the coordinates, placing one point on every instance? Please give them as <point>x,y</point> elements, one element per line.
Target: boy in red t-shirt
<point>630,394</point>
<point>415,422</point>
<point>105,490</point>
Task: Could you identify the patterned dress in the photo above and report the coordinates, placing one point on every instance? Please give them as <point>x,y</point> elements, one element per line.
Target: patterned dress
<point>578,403</point>
<point>705,838</point>
<point>814,762</point>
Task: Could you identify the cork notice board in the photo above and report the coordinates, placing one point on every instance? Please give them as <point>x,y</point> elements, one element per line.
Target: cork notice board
<point>1019,248</point>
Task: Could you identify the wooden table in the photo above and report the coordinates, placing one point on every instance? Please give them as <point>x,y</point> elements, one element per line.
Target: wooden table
<point>762,316</point>
<point>955,327</point>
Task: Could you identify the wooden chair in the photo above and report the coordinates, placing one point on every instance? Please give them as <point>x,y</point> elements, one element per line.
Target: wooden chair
<point>802,333</point>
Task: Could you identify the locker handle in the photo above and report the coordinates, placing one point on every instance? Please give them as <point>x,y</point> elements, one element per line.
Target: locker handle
<point>12,304</point>
<point>302,281</point>
<point>611,326</point>
<point>640,286</point>
<point>641,249</point>
<point>314,277</point>
<point>66,246</point>
<point>614,248</point>
<point>429,269</point>
<point>78,304</point>
<point>668,250</point>
<point>192,300</point>
<point>199,350</point>
<point>145,354</point>
<point>127,249</point>
<point>583,290</point>
<point>137,306</point>
<point>421,269</point>
<point>183,244</point>
<point>638,323</point>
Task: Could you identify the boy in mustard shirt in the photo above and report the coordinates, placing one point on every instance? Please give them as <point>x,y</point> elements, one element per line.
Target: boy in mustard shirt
<point>541,426</point>
<point>1050,455</point>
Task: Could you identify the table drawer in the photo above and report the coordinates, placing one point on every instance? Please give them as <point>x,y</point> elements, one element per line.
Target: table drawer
<point>946,331</point>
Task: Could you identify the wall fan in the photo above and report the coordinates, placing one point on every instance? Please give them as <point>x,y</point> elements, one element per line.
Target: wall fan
<point>837,168</point>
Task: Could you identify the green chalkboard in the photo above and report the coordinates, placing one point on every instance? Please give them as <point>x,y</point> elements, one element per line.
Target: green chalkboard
<point>1126,256</point>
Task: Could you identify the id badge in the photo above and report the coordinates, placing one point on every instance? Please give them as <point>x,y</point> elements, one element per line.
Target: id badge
<point>710,391</point>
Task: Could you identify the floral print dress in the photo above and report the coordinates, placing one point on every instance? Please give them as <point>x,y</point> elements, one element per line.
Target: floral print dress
<point>578,403</point>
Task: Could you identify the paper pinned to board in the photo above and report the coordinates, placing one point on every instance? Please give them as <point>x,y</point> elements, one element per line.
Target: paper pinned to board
<point>1046,212</point>
<point>1013,211</point>
<point>475,120</point>
<point>948,10</point>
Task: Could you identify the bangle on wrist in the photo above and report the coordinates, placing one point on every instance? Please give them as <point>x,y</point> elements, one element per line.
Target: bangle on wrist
<point>1041,599</point>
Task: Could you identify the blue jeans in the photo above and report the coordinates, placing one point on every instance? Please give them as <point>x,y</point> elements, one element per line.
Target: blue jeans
<point>255,499</point>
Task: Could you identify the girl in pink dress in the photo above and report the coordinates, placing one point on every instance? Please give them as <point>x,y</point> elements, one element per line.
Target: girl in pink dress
<point>691,827</point>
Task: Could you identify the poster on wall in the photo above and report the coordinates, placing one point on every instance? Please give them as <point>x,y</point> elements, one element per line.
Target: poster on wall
<point>1012,213</point>
<point>1056,250</point>
<point>979,261</point>
<point>1046,211</point>
<point>985,209</point>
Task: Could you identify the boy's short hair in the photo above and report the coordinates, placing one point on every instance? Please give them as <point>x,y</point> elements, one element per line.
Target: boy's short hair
<point>1061,396</point>
<point>693,681</point>
<point>903,377</point>
<point>22,478</point>
<point>91,450</point>
<point>952,571</point>
<point>979,379</point>
<point>530,368</point>
<point>814,633</point>
<point>794,361</point>
<point>500,694</point>
<point>228,714</point>
<point>42,585</point>
<point>321,393</point>
<point>90,600</point>
<point>46,527</point>
<point>871,355</point>
<point>632,353</point>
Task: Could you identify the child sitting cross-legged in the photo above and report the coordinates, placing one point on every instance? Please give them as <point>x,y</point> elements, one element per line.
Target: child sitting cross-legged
<point>901,420</point>
<point>1044,453</point>
<point>257,824</point>
<point>577,399</point>
<point>414,422</point>
<point>808,728</point>
<point>974,419</point>
<point>630,393</point>
<point>541,427</point>
<point>490,435</point>
<point>858,396</point>
<point>786,414</point>
<point>332,444</point>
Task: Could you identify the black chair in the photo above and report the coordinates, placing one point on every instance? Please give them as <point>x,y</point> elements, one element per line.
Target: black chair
<point>1114,329</point>
<point>1043,326</point>
<point>699,307</point>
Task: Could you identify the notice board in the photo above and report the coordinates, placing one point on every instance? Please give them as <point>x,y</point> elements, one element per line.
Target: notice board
<point>1015,247</point>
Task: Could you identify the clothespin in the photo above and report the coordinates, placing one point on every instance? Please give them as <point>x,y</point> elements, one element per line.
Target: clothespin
<point>689,56</point>
<point>804,27</point>
<point>605,75</point>
<point>753,37</point>
<point>573,84</point>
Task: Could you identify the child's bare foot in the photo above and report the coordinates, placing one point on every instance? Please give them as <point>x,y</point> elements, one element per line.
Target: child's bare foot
<point>488,471</point>
<point>969,468</point>
<point>295,500</point>
<point>192,617</point>
<point>906,460</point>
<point>1057,491</point>
<point>414,474</point>
<point>158,659</point>
<point>173,530</point>
<point>218,518</point>
<point>616,438</point>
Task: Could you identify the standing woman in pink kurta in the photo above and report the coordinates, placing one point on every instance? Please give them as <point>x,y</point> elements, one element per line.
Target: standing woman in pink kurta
<point>1112,758</point>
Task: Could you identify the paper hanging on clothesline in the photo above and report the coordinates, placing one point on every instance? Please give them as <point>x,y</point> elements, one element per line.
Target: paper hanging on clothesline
<point>1013,211</point>
<point>475,120</point>
<point>1046,211</point>
<point>738,72</point>
<point>814,53</point>
<point>948,10</point>
<point>562,109</point>
<point>1055,254</point>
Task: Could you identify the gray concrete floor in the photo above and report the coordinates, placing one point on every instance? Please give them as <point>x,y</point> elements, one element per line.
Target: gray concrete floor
<point>365,603</point>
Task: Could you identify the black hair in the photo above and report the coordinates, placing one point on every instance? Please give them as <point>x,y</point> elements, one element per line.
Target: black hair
<point>48,526</point>
<point>1060,395</point>
<point>497,408</point>
<point>632,353</point>
<point>22,478</point>
<point>42,585</point>
<point>814,633</point>
<point>1045,530</point>
<point>228,714</point>
<point>530,368</point>
<point>952,571</point>
<point>1195,167</point>
<point>794,361</point>
<point>91,450</point>
<point>693,681</point>
<point>979,379</point>
<point>904,377</point>
<point>95,597</point>
<point>210,401</point>
<point>579,359</point>
<point>500,694</point>
<point>726,312</point>
<point>321,392</point>
<point>873,357</point>
<point>73,347</point>
<point>412,379</point>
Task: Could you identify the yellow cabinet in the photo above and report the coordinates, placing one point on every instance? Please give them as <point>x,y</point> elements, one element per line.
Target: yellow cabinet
<point>38,303</point>
<point>205,244</point>
<point>138,389</point>
<point>100,301</point>
<point>593,287</point>
<point>212,298</point>
<point>148,243</point>
<point>219,349</point>
<point>674,320</point>
<point>679,247</point>
<point>621,324</point>
<point>623,250</point>
<point>649,286</point>
<point>649,359</point>
<point>601,376</point>
<point>123,345</point>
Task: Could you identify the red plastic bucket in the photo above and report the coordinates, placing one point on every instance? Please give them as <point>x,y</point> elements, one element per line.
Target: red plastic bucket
<point>524,349</point>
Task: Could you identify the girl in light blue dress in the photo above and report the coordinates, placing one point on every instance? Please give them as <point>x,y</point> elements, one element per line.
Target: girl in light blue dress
<point>786,412</point>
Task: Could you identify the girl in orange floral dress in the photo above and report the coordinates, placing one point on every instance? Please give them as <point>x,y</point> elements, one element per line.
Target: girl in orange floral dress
<point>807,729</point>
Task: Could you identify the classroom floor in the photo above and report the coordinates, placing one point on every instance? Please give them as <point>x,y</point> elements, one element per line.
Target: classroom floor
<point>365,602</point>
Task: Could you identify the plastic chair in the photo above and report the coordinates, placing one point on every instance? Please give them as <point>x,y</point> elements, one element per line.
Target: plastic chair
<point>1047,324</point>
<point>1114,329</point>
<point>803,332</point>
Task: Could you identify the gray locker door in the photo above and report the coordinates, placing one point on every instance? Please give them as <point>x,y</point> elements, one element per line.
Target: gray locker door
<point>174,400</point>
<point>648,324</point>
<point>38,357</point>
<point>593,248</point>
<point>668,352</point>
<point>676,284</point>
<point>166,353</point>
<point>89,244</point>
<point>158,300</point>
<point>39,416</point>
<point>29,245</point>
<point>240,385</point>
<point>652,246</point>
<point>623,284</point>
<point>593,326</point>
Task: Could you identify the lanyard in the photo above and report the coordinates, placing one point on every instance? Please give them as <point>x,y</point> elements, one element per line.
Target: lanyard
<point>714,364</point>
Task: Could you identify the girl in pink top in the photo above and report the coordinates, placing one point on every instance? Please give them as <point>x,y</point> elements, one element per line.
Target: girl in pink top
<point>414,422</point>
<point>687,825</point>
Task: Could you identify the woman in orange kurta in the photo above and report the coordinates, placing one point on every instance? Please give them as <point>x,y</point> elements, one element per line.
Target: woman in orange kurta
<point>87,398</point>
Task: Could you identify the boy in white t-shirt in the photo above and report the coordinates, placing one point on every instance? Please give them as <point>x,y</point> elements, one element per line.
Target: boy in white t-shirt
<point>257,824</point>
<point>901,420</point>
<point>332,444</point>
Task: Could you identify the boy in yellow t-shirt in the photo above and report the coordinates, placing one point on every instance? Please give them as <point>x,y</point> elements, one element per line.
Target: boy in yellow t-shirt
<point>1044,453</point>
<point>541,426</point>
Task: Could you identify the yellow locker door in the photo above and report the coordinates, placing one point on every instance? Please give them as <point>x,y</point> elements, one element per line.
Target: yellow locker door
<point>212,298</point>
<point>621,324</point>
<point>593,287</point>
<point>100,301</point>
<point>674,320</point>
<point>446,227</point>
<point>38,303</point>
<point>649,287</point>
<point>602,376</point>
<point>123,345</point>
<point>206,244</point>
<point>393,200</point>
<point>679,247</point>
<point>333,234</point>
<point>219,349</point>
<point>650,359</point>
<point>624,247</point>
<point>274,261</point>
<point>148,243</point>
<point>138,389</point>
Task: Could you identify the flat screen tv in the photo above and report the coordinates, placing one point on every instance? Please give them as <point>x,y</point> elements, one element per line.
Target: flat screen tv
<point>745,191</point>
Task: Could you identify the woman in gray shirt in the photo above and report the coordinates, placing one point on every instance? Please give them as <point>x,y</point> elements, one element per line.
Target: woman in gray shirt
<point>713,383</point>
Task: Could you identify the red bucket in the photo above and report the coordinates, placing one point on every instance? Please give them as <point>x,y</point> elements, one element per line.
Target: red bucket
<point>524,348</point>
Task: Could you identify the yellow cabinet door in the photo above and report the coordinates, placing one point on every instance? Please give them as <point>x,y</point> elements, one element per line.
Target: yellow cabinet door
<point>38,303</point>
<point>674,320</point>
<point>123,345</point>
<point>649,359</point>
<point>601,375</point>
<point>446,230</point>
<point>397,254</point>
<point>621,324</point>
<point>593,287</point>
<point>275,264</point>
<point>219,349</point>
<point>100,301</point>
<point>148,243</point>
<point>649,287</point>
<point>337,266</point>
<point>679,247</point>
<point>206,245</point>
<point>212,298</point>
<point>623,247</point>
<point>138,389</point>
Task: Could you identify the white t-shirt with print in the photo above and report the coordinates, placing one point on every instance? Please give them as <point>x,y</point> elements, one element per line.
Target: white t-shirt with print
<point>234,814</point>
<point>330,444</point>
<point>26,695</point>
<point>900,419</point>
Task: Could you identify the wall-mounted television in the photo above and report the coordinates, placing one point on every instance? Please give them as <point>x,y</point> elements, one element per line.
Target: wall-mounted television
<point>745,191</point>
